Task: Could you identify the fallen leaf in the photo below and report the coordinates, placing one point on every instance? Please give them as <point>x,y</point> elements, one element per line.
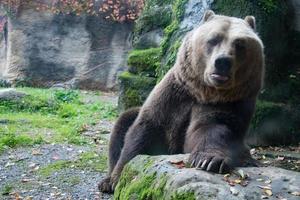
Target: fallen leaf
<point>280,158</point>
<point>56,157</point>
<point>226,175</point>
<point>36,152</point>
<point>237,181</point>
<point>268,181</point>
<point>26,180</point>
<point>244,183</point>
<point>264,187</point>
<point>253,151</point>
<point>9,164</point>
<point>295,193</point>
<point>178,164</point>
<point>242,174</point>
<point>268,192</point>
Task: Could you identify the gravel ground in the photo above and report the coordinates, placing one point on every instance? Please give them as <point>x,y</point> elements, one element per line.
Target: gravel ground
<point>19,170</point>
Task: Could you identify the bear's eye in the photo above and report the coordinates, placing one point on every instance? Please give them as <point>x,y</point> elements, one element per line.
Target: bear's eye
<point>239,44</point>
<point>215,41</point>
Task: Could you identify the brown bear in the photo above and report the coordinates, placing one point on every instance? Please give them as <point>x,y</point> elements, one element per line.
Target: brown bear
<point>203,105</point>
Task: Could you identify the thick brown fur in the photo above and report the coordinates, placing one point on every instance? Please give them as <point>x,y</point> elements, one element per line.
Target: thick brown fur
<point>199,107</point>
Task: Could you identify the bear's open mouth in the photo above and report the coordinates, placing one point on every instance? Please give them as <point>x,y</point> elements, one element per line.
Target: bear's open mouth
<point>219,77</point>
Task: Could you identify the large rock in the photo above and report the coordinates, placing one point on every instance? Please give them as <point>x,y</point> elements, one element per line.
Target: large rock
<point>147,177</point>
<point>43,49</point>
<point>11,94</point>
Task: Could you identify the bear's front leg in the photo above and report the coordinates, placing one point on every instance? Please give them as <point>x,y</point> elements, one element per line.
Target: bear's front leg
<point>213,148</point>
<point>138,140</point>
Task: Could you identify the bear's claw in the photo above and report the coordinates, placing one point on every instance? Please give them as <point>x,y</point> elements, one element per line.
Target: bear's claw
<point>210,162</point>
<point>105,185</point>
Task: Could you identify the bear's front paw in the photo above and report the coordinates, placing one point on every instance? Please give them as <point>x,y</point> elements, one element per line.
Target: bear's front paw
<point>105,185</point>
<point>212,162</point>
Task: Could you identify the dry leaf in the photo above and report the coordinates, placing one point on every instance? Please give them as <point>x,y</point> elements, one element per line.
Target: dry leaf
<point>242,174</point>
<point>296,193</point>
<point>268,181</point>
<point>178,164</point>
<point>264,187</point>
<point>280,158</point>
<point>36,152</point>
<point>226,175</point>
<point>268,192</point>
<point>237,181</point>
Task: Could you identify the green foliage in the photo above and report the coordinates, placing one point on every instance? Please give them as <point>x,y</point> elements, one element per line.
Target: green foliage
<point>268,5</point>
<point>275,124</point>
<point>172,39</point>
<point>66,96</point>
<point>61,114</point>
<point>67,110</point>
<point>264,110</point>
<point>6,189</point>
<point>153,17</point>
<point>134,90</point>
<point>144,62</point>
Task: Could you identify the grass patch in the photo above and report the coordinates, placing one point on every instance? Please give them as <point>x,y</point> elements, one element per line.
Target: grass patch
<point>6,189</point>
<point>47,115</point>
<point>88,160</point>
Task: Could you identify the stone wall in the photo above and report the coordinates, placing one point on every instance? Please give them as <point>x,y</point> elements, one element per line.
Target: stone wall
<point>43,49</point>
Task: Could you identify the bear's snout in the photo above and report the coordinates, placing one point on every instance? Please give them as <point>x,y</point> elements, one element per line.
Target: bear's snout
<point>223,65</point>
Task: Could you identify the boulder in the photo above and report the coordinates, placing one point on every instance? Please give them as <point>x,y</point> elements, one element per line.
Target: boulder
<point>164,177</point>
<point>11,94</point>
<point>151,39</point>
<point>134,89</point>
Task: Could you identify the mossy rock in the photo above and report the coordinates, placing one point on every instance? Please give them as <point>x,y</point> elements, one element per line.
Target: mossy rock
<point>144,62</point>
<point>173,38</point>
<point>156,14</point>
<point>134,89</point>
<point>159,178</point>
<point>274,124</point>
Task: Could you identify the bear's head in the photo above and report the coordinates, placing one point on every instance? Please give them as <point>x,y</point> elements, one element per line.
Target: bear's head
<point>223,56</point>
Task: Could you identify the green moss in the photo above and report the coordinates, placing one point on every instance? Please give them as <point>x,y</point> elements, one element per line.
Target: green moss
<point>146,187</point>
<point>144,62</point>
<point>275,124</point>
<point>172,38</point>
<point>156,14</point>
<point>268,5</point>
<point>6,189</point>
<point>183,196</point>
<point>134,89</point>
<point>264,110</point>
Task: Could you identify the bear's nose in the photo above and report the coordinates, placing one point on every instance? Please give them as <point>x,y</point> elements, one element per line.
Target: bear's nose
<point>223,64</point>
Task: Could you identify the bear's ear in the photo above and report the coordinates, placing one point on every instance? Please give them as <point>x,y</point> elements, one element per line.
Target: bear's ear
<point>208,15</point>
<point>251,21</point>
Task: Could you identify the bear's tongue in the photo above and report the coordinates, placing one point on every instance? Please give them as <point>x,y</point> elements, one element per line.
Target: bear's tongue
<point>219,77</point>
